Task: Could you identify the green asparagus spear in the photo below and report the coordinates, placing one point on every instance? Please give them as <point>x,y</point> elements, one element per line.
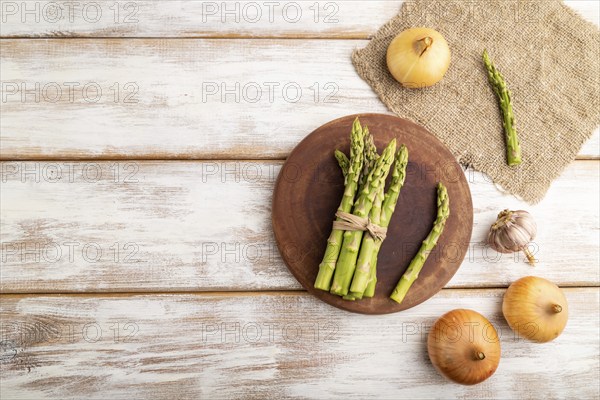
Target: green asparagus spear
<point>370,246</point>
<point>369,157</point>
<point>334,242</point>
<point>513,149</point>
<point>368,243</point>
<point>367,247</point>
<point>370,290</point>
<point>344,164</point>
<point>346,262</point>
<point>415,266</point>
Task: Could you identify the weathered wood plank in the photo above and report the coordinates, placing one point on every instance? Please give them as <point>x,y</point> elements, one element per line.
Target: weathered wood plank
<point>315,19</point>
<point>272,345</point>
<point>328,19</point>
<point>173,226</point>
<point>194,99</point>
<point>189,98</point>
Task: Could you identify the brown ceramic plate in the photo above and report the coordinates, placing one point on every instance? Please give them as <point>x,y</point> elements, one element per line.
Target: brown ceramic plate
<point>309,189</point>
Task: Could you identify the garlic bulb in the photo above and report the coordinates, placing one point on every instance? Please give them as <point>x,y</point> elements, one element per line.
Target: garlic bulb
<point>418,57</point>
<point>535,308</point>
<point>464,347</point>
<point>512,232</point>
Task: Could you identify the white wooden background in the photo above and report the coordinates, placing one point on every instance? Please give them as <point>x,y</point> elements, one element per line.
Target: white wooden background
<point>137,254</point>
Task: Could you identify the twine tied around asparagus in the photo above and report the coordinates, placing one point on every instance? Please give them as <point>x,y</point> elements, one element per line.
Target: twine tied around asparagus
<point>350,222</point>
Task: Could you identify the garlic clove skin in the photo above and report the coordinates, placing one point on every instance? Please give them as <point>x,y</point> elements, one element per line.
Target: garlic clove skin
<point>512,232</point>
<point>464,347</point>
<point>536,309</point>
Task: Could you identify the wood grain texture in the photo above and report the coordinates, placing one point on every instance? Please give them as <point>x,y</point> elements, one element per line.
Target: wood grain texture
<point>204,226</point>
<point>272,345</point>
<point>174,226</point>
<point>310,19</point>
<point>304,207</point>
<point>165,99</point>
<point>172,19</point>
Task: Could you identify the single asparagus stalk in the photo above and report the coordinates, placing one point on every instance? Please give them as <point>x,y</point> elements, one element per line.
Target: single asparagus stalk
<point>415,266</point>
<point>367,247</point>
<point>334,242</point>
<point>513,149</point>
<point>365,267</point>
<point>369,158</point>
<point>370,290</point>
<point>346,262</point>
<point>368,241</point>
<point>344,164</point>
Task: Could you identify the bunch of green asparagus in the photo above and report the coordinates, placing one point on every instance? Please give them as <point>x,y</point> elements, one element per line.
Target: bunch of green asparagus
<point>349,266</point>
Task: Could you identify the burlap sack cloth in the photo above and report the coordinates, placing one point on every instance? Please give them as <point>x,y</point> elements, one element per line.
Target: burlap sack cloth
<point>550,59</point>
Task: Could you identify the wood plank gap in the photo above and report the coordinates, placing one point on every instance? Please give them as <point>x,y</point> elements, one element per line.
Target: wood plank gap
<point>211,37</point>
<point>157,293</point>
<point>180,158</point>
<point>141,159</point>
<point>226,293</point>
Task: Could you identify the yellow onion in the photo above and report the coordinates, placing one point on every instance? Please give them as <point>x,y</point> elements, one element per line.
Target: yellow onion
<point>536,309</point>
<point>464,347</point>
<point>418,57</point>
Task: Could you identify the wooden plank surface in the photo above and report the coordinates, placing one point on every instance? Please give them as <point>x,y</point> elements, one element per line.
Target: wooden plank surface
<point>188,98</point>
<point>275,345</point>
<point>96,228</point>
<point>173,226</point>
<point>175,114</point>
<point>314,19</point>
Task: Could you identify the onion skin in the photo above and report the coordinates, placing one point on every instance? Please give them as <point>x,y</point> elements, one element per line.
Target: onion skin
<point>418,57</point>
<point>464,347</point>
<point>536,309</point>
